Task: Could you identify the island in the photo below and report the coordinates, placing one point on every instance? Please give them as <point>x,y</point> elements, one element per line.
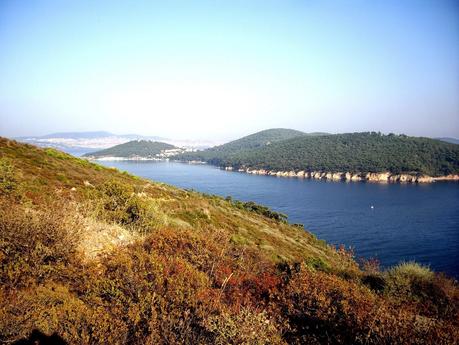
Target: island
<point>137,150</point>
<point>368,156</point>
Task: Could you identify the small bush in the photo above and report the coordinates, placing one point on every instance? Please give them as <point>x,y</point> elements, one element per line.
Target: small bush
<point>121,205</point>
<point>260,209</point>
<point>9,184</point>
<point>434,295</point>
<point>401,280</point>
<point>317,263</point>
<point>57,154</point>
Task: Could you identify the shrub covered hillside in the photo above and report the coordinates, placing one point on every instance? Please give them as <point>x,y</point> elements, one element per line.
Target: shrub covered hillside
<point>93,255</point>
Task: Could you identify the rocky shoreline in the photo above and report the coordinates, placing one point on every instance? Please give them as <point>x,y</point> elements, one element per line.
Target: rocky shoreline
<point>384,177</point>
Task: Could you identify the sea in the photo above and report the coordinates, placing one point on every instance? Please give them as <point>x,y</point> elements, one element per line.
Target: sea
<point>392,223</point>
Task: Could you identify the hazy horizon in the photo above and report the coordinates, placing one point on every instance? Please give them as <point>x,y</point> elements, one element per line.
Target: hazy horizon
<point>219,71</point>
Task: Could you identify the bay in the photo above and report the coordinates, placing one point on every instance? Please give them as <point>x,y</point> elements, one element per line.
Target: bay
<point>389,222</point>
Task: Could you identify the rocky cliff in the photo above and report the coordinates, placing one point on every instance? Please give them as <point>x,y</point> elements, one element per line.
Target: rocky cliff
<point>348,176</point>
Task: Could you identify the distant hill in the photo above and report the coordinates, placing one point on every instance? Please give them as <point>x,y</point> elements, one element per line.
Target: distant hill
<point>353,152</point>
<point>89,135</point>
<point>259,139</point>
<point>253,141</point>
<point>139,148</point>
<point>449,140</point>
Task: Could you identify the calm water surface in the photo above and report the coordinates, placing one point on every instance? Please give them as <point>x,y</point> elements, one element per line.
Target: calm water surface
<point>407,221</point>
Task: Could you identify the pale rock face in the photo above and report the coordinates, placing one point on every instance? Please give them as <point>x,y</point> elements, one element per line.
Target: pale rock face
<point>404,178</point>
<point>377,177</point>
<point>447,178</point>
<point>88,184</point>
<point>424,179</point>
<point>355,177</point>
<point>337,176</point>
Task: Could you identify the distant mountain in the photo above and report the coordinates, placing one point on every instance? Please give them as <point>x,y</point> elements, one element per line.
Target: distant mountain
<point>79,143</point>
<point>78,135</point>
<point>135,148</point>
<point>449,140</point>
<point>353,152</point>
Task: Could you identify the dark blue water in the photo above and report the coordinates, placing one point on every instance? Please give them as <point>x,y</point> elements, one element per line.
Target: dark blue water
<point>408,221</point>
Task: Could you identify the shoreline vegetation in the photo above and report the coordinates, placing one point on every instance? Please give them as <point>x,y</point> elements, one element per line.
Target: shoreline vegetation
<point>93,255</point>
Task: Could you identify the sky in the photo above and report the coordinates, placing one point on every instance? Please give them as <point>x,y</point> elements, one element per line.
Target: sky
<point>222,69</point>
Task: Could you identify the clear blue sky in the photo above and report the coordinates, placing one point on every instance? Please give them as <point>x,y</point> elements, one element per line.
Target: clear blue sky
<point>220,69</point>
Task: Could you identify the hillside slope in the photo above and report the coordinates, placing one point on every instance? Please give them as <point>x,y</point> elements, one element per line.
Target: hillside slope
<point>134,148</point>
<point>249,142</point>
<point>353,152</point>
<point>95,255</point>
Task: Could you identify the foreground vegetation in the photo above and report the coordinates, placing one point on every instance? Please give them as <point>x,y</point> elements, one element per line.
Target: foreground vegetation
<point>94,255</point>
<point>353,152</point>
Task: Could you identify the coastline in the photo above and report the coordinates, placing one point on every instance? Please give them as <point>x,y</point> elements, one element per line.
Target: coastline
<point>136,158</point>
<point>381,177</point>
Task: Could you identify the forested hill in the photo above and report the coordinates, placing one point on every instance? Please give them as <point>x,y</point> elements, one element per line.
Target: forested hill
<point>353,152</point>
<point>258,139</point>
<point>135,148</point>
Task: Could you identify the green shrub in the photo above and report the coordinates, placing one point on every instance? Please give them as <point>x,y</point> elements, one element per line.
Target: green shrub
<point>401,280</point>
<point>123,206</point>
<point>9,184</point>
<point>317,263</point>
<point>262,210</point>
<point>57,154</point>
